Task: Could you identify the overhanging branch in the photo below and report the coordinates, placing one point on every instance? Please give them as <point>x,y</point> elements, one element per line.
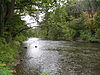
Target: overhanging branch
<point>21,30</point>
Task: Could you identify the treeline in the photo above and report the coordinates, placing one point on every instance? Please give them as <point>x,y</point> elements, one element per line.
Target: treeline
<point>72,20</point>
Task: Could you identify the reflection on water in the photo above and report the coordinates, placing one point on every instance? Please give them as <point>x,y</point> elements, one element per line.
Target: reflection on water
<point>59,58</point>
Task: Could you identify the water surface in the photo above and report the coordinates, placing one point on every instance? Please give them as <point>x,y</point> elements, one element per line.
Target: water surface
<point>59,58</point>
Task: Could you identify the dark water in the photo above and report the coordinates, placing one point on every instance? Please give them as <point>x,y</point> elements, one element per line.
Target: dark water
<point>59,58</point>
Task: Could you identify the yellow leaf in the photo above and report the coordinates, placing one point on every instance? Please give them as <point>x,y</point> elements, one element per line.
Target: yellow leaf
<point>3,64</point>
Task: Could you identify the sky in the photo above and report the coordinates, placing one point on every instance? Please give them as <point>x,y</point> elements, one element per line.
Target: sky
<point>30,21</point>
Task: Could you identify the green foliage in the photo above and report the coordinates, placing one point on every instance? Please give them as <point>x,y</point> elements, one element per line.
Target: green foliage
<point>85,35</point>
<point>4,70</point>
<point>98,33</point>
<point>9,0</point>
<point>69,34</point>
<point>8,53</point>
<point>45,73</point>
<point>60,25</point>
<point>13,26</point>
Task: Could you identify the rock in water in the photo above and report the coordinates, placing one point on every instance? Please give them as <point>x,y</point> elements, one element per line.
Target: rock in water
<point>35,46</point>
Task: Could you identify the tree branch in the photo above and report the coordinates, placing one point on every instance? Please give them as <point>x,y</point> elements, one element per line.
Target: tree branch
<point>21,30</point>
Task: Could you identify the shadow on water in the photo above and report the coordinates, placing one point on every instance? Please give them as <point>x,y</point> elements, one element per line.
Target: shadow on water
<point>59,58</point>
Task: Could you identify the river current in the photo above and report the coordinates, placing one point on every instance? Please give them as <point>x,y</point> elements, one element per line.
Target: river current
<point>47,57</point>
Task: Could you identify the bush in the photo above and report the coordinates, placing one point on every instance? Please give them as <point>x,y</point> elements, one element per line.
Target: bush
<point>85,35</point>
<point>8,52</point>
<point>5,70</point>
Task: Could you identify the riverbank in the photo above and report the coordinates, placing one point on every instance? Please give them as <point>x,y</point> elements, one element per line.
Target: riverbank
<point>9,52</point>
<point>81,41</point>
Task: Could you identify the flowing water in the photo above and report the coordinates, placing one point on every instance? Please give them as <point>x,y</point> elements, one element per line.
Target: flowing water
<point>47,57</point>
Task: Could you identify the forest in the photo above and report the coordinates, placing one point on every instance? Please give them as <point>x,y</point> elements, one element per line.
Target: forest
<point>73,20</point>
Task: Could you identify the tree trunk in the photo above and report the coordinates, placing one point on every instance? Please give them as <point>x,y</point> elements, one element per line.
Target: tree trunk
<point>10,11</point>
<point>6,12</point>
<point>1,17</point>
